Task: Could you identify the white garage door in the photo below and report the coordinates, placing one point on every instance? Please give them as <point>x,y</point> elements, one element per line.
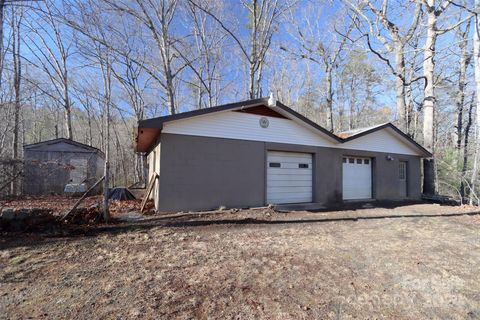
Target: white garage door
<point>289,177</point>
<point>357,178</point>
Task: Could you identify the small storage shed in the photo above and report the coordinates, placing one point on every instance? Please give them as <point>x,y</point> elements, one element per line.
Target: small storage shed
<point>51,165</point>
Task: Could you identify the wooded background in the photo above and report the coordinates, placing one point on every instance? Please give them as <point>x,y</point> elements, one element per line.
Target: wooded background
<point>88,70</point>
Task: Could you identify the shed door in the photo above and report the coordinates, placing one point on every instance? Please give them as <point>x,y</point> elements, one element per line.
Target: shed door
<point>357,178</point>
<point>289,177</point>
<point>78,172</point>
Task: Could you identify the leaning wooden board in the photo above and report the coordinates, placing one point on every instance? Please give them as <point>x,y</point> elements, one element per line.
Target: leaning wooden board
<point>149,190</point>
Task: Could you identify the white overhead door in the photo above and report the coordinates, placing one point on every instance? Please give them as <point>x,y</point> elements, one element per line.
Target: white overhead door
<point>357,178</point>
<point>289,177</point>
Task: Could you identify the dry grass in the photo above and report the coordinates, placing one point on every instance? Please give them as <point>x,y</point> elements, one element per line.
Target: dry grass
<point>252,264</point>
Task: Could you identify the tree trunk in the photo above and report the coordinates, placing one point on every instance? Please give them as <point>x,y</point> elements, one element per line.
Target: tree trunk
<point>68,122</point>
<point>465,150</point>
<point>460,99</point>
<point>106,70</point>
<point>251,90</point>
<point>199,95</point>
<point>341,108</point>
<point>165,47</point>
<point>476,57</point>
<point>253,55</point>
<point>2,52</point>
<point>400,85</point>
<point>89,131</point>
<point>170,93</point>
<point>106,181</point>
<point>139,169</point>
<point>429,100</point>
<point>353,102</point>
<point>258,81</point>
<point>412,115</point>
<point>17,76</point>
<point>329,99</point>
<point>121,159</point>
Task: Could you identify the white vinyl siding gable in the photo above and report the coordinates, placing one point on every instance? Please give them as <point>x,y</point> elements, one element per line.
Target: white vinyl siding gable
<point>381,141</point>
<point>246,126</point>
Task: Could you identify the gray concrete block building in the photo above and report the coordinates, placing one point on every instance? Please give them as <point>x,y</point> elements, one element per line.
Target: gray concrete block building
<point>260,152</point>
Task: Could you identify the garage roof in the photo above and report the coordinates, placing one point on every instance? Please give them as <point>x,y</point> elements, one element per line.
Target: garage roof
<point>149,130</point>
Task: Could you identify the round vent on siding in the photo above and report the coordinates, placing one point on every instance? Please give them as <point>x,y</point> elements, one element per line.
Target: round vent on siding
<point>264,122</point>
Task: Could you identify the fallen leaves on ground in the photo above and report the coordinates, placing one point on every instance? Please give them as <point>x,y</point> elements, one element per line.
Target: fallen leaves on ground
<point>62,204</point>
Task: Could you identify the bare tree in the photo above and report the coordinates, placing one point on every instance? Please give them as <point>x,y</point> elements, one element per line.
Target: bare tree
<point>466,140</point>
<point>106,68</point>
<point>357,82</point>
<point>384,21</point>
<point>129,75</point>
<point>103,58</point>
<point>205,60</point>
<point>127,60</point>
<point>264,17</point>
<point>129,80</point>
<point>93,50</point>
<point>16,22</point>
<point>434,11</point>
<point>86,96</point>
<point>2,50</point>
<point>464,61</point>
<point>318,46</point>
<point>476,60</point>
<point>414,89</point>
<point>157,16</point>
<point>52,52</point>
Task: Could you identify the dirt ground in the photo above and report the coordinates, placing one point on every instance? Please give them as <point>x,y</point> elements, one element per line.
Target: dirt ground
<point>410,262</point>
<point>62,204</point>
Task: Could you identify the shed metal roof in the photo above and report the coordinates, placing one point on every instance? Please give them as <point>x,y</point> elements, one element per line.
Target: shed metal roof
<point>41,144</point>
